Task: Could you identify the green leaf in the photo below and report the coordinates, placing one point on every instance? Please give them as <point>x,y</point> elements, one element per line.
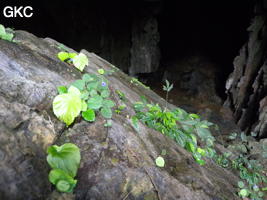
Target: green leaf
<point>105,93</point>
<point>194,116</point>
<point>160,161</point>
<point>241,184</point>
<point>203,132</point>
<point>101,71</point>
<point>89,115</point>
<point>2,30</point>
<point>108,103</point>
<point>95,102</point>
<point>74,91</point>
<point>135,123</point>
<point>163,152</point>
<point>93,93</point>
<point>85,95</point>
<point>80,84</point>
<point>65,157</point>
<point>198,159</point>
<point>63,56</point>
<point>106,112</point>
<point>80,61</point>
<point>84,106</point>
<point>243,193</point>
<point>190,147</point>
<point>232,136</point>
<point>92,85</point>
<point>5,35</point>
<point>72,55</point>
<point>63,181</point>
<point>189,122</point>
<point>108,124</point>
<point>62,89</point>
<point>201,151</point>
<point>87,78</point>
<point>68,106</point>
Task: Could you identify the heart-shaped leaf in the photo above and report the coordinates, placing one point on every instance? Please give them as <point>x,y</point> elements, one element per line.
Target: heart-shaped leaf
<point>160,161</point>
<point>68,106</point>
<point>80,61</point>
<point>89,115</point>
<point>66,157</point>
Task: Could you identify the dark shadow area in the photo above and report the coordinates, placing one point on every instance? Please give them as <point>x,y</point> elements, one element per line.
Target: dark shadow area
<point>214,30</point>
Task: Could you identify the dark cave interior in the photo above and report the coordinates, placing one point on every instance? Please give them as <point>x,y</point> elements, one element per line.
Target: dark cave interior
<point>212,29</point>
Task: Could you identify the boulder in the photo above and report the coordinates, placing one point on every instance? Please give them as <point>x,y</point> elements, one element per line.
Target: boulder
<point>116,162</point>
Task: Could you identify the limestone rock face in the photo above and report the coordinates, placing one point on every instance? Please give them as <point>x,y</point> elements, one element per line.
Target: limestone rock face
<point>117,163</point>
<point>145,52</point>
<point>195,76</point>
<point>247,85</point>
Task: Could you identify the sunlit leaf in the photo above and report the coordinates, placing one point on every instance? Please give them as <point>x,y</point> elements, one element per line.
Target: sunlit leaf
<point>68,106</point>
<point>63,56</point>
<point>243,193</point>
<point>80,61</point>
<point>160,161</point>
<point>89,115</point>
<point>62,89</point>
<point>101,71</point>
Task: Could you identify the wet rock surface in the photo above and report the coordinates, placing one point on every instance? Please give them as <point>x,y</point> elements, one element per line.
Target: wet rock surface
<point>117,163</point>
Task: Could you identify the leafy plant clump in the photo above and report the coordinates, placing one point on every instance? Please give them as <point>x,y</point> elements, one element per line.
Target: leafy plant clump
<point>177,124</point>
<point>78,60</point>
<point>250,170</point>
<point>88,95</point>
<point>64,161</point>
<point>168,87</point>
<point>4,35</point>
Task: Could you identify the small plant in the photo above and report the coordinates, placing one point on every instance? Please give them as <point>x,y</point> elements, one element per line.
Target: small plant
<point>250,171</point>
<point>120,108</point>
<point>78,60</point>
<point>64,161</point>
<point>168,87</point>
<point>177,124</point>
<point>68,104</point>
<point>121,95</point>
<point>4,35</point>
<point>136,82</point>
<point>160,162</point>
<point>88,95</point>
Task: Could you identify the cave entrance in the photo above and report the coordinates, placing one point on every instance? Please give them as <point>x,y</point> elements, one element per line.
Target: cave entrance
<point>199,40</point>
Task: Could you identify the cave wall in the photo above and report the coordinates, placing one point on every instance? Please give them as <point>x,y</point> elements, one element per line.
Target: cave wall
<point>124,33</point>
<point>246,87</point>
